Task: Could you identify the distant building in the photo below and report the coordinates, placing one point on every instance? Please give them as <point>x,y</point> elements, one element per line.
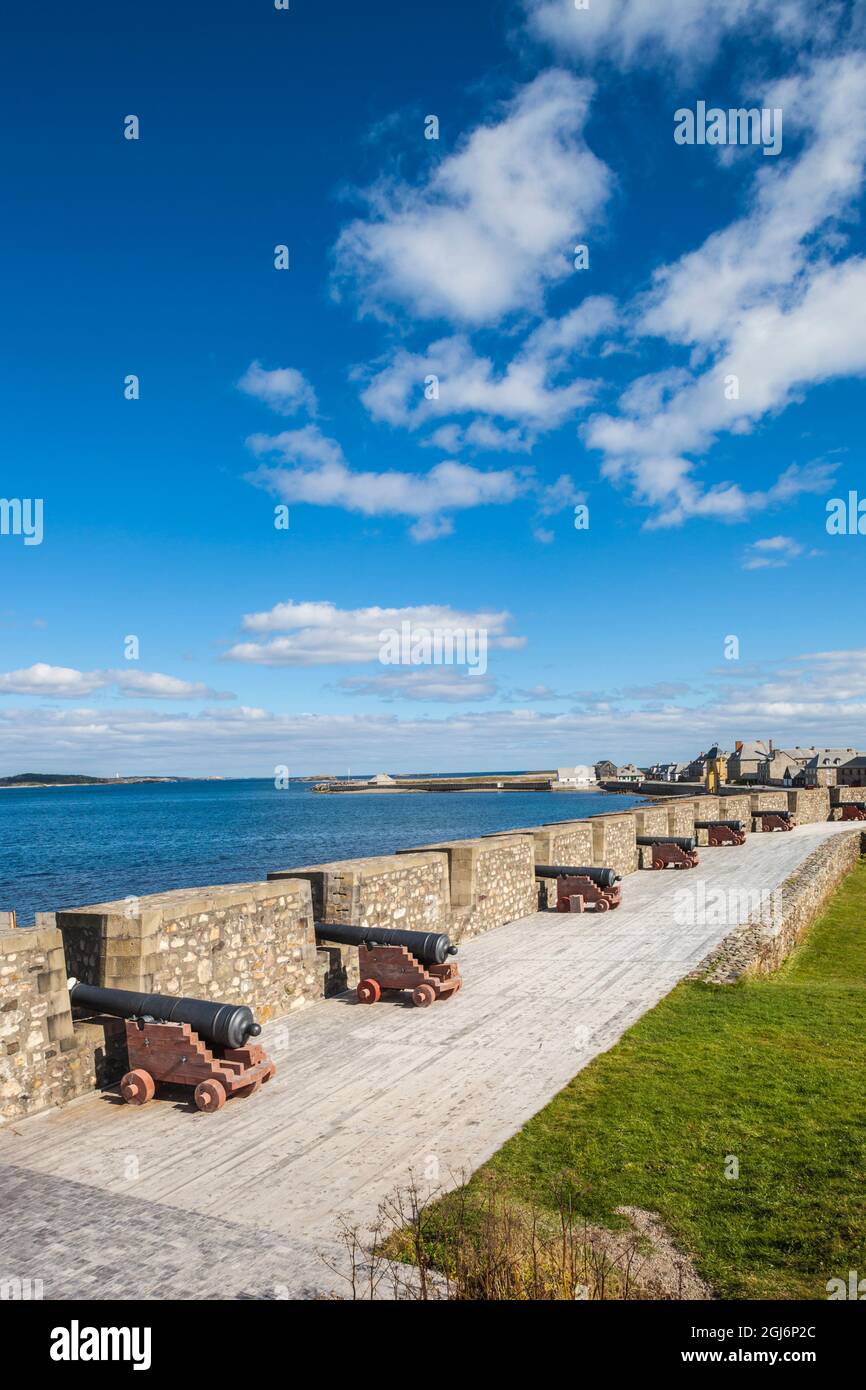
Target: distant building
<point>696,770</point>
<point>580,776</point>
<point>852,773</point>
<point>628,773</point>
<point>605,771</point>
<point>667,772</point>
<point>744,762</point>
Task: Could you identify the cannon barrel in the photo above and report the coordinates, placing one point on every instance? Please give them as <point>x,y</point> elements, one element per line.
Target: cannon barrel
<point>785,815</point>
<point>684,841</point>
<point>605,878</point>
<point>227,1025</point>
<point>710,824</point>
<point>432,947</point>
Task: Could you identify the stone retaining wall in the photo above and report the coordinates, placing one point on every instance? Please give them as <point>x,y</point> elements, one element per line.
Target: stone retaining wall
<point>760,947</point>
<point>41,1062</point>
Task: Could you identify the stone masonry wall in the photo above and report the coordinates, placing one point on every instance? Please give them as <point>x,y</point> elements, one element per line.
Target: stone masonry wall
<point>409,892</point>
<point>738,807</point>
<point>840,795</point>
<point>808,806</point>
<point>492,881</point>
<point>40,1060</point>
<point>760,947</point>
<point>681,816</point>
<point>707,808</point>
<point>613,842</point>
<point>651,820</point>
<point>769,801</point>
<point>249,943</point>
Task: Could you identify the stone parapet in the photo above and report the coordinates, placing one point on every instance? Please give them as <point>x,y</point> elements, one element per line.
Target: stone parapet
<point>41,1063</point>
<point>247,943</point>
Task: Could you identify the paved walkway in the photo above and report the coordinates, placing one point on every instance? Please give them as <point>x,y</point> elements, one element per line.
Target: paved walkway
<point>105,1200</point>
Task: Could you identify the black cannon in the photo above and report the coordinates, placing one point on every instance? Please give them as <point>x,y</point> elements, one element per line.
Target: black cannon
<point>722,832</point>
<point>605,878</point>
<point>182,1042</point>
<point>685,842</point>
<point>429,947</point>
<point>390,959</point>
<point>581,887</point>
<point>227,1025</point>
<point>674,851</point>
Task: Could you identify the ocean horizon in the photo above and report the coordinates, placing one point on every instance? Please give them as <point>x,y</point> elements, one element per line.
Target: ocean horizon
<point>72,846</point>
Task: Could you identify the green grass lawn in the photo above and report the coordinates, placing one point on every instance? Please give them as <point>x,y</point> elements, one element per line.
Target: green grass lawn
<point>771,1071</point>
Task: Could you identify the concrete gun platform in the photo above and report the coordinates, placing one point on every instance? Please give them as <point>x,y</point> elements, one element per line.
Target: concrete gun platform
<point>104,1200</point>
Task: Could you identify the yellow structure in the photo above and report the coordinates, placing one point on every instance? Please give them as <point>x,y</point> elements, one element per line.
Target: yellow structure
<point>716,773</point>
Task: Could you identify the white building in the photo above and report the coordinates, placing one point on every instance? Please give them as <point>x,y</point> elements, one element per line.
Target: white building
<point>580,776</point>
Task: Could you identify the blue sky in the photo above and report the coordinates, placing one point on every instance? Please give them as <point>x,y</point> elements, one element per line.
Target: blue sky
<point>412,257</point>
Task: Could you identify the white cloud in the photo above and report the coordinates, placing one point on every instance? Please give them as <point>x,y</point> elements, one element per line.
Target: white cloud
<point>820,698</point>
<point>284,389</point>
<point>434,684</point>
<point>774,552</point>
<point>493,225</point>
<point>67,683</point>
<point>687,32</point>
<point>306,445</point>
<point>447,487</point>
<point>62,682</point>
<point>320,634</point>
<point>525,390</point>
<point>766,309</point>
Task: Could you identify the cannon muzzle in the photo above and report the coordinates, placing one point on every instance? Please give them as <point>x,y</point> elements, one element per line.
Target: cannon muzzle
<point>227,1025</point>
<point>430,947</point>
<point>683,841</point>
<point>604,878</point>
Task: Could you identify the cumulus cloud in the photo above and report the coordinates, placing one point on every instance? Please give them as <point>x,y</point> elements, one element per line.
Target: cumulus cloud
<point>493,225</point>
<point>284,389</point>
<point>320,634</point>
<point>448,487</point>
<point>766,307</point>
<point>68,683</point>
<point>449,379</point>
<point>686,32</point>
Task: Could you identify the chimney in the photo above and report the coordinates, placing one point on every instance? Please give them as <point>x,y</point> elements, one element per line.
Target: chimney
<point>738,746</point>
<point>771,748</point>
